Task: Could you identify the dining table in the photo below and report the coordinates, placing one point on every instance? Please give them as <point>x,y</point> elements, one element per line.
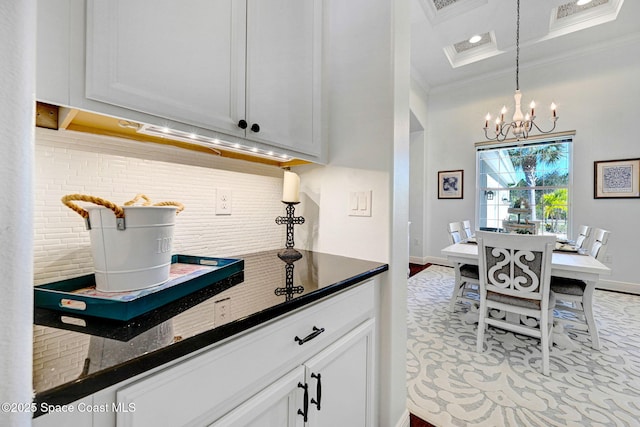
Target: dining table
<point>569,264</point>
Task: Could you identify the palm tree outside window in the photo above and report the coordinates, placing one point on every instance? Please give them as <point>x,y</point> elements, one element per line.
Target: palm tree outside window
<point>531,185</point>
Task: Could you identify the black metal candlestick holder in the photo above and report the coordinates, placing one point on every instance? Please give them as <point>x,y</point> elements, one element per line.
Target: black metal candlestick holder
<point>288,253</point>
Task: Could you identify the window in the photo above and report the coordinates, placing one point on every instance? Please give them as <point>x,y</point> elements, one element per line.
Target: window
<point>525,187</point>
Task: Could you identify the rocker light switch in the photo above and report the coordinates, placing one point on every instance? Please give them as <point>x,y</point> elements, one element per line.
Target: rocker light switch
<point>360,203</point>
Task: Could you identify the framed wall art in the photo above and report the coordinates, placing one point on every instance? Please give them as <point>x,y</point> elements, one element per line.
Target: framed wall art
<point>450,184</point>
<point>616,179</point>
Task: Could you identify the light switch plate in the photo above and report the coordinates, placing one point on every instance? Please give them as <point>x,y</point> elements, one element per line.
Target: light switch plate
<point>360,203</point>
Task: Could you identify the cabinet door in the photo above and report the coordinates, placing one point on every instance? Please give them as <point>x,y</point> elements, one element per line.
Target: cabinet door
<point>340,380</point>
<point>275,406</point>
<point>182,60</point>
<point>283,73</point>
<point>52,52</point>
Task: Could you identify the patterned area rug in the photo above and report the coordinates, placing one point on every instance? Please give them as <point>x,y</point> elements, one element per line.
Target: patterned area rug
<point>449,384</point>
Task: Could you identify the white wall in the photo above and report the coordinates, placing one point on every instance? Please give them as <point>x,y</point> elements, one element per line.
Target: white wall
<point>597,94</point>
<point>367,83</point>
<point>416,198</point>
<point>17,116</point>
<point>116,169</point>
<point>325,189</point>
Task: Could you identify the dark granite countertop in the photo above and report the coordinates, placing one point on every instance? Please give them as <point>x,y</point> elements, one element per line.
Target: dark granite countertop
<point>80,356</point>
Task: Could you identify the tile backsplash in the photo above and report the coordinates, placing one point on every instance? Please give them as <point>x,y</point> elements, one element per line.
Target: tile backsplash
<point>117,169</point>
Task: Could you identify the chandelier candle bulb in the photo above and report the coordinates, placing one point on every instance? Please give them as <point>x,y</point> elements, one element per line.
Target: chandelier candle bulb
<point>517,114</point>
<point>532,106</point>
<point>291,188</point>
<point>553,109</point>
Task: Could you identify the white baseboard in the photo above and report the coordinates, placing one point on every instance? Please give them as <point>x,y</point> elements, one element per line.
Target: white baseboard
<point>429,260</point>
<point>417,260</point>
<point>439,261</point>
<point>404,420</point>
<point>611,285</point>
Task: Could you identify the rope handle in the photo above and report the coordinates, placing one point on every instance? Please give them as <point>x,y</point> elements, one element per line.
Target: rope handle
<point>147,202</point>
<point>117,210</point>
<point>70,198</point>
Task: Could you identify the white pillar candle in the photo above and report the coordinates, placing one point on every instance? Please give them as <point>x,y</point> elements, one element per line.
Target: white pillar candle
<point>291,188</point>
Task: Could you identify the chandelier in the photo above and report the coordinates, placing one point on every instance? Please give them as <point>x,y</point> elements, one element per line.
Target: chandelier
<point>520,124</point>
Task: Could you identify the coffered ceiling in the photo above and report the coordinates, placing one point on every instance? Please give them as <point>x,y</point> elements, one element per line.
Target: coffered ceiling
<point>441,53</point>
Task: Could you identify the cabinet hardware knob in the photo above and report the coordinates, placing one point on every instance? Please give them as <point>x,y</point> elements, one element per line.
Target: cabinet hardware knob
<point>318,390</point>
<point>242,124</point>
<point>255,128</point>
<point>309,337</point>
<point>304,412</point>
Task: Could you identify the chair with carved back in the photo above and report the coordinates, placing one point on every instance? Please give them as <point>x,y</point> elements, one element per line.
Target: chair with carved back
<point>576,297</point>
<point>466,275</point>
<point>515,275</point>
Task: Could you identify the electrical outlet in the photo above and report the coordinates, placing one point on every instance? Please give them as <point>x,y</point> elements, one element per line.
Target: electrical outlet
<point>222,311</point>
<point>223,201</point>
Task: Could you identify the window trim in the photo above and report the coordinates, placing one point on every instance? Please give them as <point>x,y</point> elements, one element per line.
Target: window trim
<point>538,140</point>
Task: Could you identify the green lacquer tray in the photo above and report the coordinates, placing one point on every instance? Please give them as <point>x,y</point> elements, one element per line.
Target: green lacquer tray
<point>188,274</point>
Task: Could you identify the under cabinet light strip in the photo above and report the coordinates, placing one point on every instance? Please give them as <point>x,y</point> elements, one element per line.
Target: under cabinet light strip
<point>164,132</point>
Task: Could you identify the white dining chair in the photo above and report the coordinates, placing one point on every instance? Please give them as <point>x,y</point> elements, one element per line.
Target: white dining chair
<point>576,297</point>
<point>466,226</point>
<point>466,282</point>
<point>583,235</point>
<point>455,232</point>
<point>515,274</point>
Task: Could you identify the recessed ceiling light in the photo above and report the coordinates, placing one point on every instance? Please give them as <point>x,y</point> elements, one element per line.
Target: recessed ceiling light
<point>475,39</point>
<point>582,2</point>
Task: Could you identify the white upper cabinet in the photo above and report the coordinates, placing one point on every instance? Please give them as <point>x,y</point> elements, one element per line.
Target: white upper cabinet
<point>283,72</point>
<point>180,60</point>
<point>52,53</point>
<point>246,68</point>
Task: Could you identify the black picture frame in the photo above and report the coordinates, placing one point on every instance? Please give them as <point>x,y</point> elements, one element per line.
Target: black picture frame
<point>451,184</point>
<point>616,179</point>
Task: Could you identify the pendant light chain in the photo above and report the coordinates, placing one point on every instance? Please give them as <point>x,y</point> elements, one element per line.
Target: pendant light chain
<point>518,48</point>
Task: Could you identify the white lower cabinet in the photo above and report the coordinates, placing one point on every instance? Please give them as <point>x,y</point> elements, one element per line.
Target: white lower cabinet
<point>334,388</point>
<point>340,381</point>
<point>275,406</point>
<point>312,367</point>
<point>258,378</point>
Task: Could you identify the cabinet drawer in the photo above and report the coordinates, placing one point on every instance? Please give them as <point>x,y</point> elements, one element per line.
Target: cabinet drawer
<point>208,385</point>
